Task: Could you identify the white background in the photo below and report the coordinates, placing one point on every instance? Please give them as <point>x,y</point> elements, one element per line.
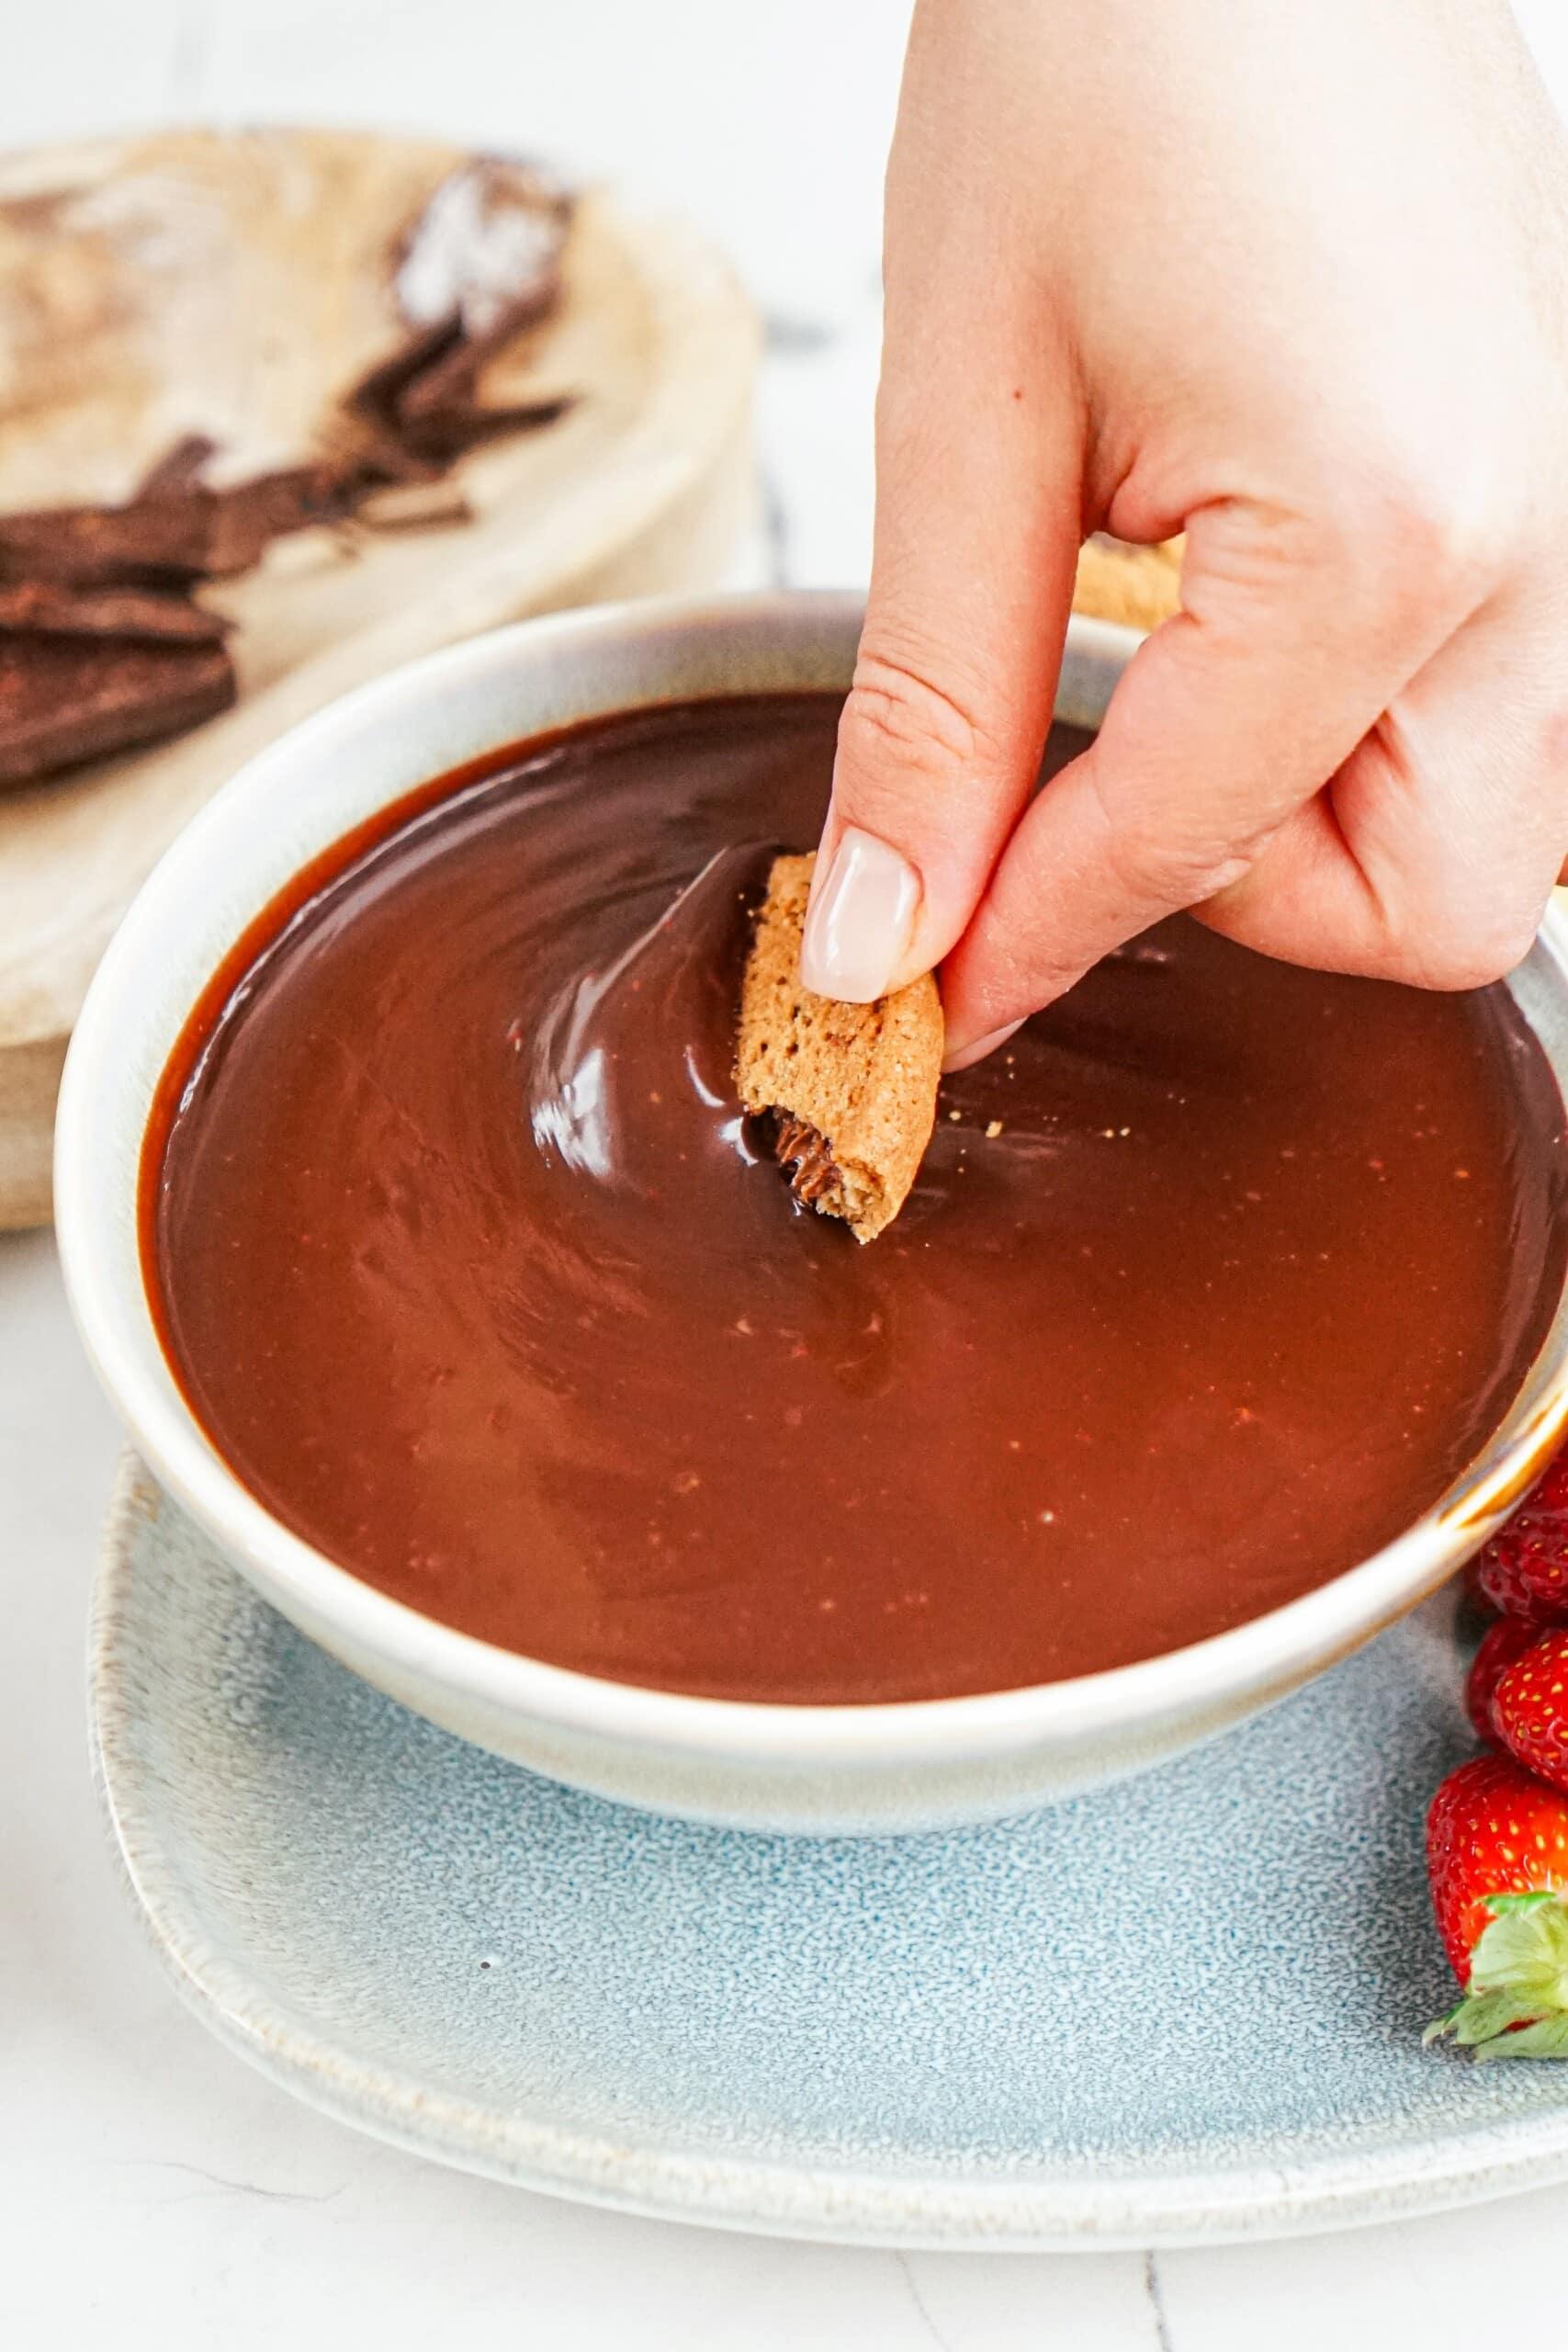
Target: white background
<point>153,2191</point>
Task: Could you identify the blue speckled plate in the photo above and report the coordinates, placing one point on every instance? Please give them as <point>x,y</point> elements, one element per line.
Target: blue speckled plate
<point>1186,2009</point>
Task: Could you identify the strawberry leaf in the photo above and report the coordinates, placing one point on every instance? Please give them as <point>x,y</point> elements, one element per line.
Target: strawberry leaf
<point>1516,2006</point>
<point>1484,2016</point>
<point>1547,2037</point>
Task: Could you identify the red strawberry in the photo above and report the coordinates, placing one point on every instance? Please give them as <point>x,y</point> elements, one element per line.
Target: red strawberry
<point>1469,1578</point>
<point>1505,1640</point>
<point>1497,1858</point>
<point>1523,1570</point>
<point>1529,1707</point>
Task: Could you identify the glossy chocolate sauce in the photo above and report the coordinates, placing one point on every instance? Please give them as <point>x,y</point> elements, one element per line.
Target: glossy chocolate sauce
<point>472,1269</point>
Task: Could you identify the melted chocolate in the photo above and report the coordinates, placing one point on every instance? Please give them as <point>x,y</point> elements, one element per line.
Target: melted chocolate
<point>472,1267</point>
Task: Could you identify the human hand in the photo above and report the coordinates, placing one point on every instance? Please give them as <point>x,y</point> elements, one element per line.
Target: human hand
<point>1295,281</point>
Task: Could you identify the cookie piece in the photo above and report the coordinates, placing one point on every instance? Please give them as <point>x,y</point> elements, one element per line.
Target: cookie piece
<point>851,1087</point>
<point>1140,587</point>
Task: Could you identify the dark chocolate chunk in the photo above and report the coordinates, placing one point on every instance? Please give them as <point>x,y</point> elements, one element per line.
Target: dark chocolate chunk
<point>416,408</point>
<point>447,380</point>
<point>372,405</point>
<point>159,542</point>
<point>66,699</point>
<point>381,387</point>
<point>171,538</point>
<point>145,615</point>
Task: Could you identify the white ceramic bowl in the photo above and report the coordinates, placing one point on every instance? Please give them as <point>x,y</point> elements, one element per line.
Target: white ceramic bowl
<point>816,1768</point>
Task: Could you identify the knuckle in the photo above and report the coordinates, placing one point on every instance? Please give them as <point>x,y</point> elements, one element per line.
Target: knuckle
<point>1175,873</point>
<point>1166,864</point>
<point>896,721</point>
<point>1419,548</point>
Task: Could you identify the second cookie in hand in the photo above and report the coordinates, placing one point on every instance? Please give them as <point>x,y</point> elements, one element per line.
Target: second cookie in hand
<point>851,1088</point>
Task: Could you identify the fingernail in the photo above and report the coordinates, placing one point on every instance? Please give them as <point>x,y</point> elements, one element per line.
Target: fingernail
<point>862,919</point>
<point>960,1056</point>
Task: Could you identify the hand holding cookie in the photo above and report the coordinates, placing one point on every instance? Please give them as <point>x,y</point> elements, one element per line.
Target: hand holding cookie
<point>1331,352</point>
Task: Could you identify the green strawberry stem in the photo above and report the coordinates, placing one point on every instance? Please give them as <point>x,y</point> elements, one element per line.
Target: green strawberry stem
<point>1516,2006</point>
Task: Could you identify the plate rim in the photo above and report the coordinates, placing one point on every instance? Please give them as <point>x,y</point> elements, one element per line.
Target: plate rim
<point>650,2178</point>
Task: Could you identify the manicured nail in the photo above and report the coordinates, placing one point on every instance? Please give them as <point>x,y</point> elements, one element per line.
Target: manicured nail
<point>960,1056</point>
<point>862,919</point>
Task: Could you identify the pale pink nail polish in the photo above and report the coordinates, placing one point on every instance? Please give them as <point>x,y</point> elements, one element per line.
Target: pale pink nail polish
<point>862,919</point>
<point>962,1056</point>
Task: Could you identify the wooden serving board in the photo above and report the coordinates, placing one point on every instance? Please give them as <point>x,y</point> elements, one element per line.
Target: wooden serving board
<point>230,285</point>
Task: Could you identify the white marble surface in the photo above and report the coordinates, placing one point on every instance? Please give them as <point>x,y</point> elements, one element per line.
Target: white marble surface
<point>153,2191</point>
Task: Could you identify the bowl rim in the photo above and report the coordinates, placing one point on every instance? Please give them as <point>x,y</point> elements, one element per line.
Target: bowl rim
<point>1271,1652</point>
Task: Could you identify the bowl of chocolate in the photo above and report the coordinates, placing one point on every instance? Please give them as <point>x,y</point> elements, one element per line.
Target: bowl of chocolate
<point>413,1221</point>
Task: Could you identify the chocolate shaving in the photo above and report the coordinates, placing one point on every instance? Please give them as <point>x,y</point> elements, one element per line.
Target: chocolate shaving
<point>381,387</point>
<point>179,467</point>
<point>444,435</point>
<point>270,506</point>
<point>372,405</point>
<point>417,407</point>
<point>65,698</point>
<point>445,385</point>
<point>815,1170</point>
<point>142,615</point>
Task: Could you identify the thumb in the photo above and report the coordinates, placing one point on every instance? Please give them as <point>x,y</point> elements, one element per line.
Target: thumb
<point>977,506</point>
<point>1226,722</point>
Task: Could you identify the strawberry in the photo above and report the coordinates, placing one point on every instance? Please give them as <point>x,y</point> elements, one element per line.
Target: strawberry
<point>1505,1640</point>
<point>1497,1858</point>
<point>1523,1569</point>
<point>1470,1583</point>
<point>1529,1707</point>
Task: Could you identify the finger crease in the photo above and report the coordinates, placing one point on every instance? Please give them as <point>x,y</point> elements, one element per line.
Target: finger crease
<point>912,713</point>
